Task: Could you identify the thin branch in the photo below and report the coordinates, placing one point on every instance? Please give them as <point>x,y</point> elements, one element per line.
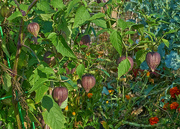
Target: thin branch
<point>30,6</point>
<point>32,52</point>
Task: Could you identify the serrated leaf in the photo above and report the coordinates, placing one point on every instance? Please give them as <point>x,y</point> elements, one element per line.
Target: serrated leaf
<point>53,115</point>
<point>100,22</point>
<point>80,70</point>
<point>40,92</point>
<point>46,70</point>
<point>116,41</point>
<point>14,15</point>
<point>61,45</point>
<point>44,6</point>
<point>60,4</point>
<point>122,24</point>
<point>63,48</point>
<point>6,82</point>
<point>123,67</point>
<point>38,84</point>
<point>81,16</point>
<point>166,42</point>
<point>96,16</point>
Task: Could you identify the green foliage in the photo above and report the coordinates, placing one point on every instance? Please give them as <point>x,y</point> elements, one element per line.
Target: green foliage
<point>53,115</point>
<point>120,98</point>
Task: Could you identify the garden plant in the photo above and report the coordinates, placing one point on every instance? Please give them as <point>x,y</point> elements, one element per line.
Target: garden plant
<point>58,72</point>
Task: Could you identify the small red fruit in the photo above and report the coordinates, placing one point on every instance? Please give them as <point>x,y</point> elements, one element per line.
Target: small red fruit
<point>33,28</point>
<point>88,82</point>
<point>123,58</point>
<point>60,94</point>
<point>153,60</point>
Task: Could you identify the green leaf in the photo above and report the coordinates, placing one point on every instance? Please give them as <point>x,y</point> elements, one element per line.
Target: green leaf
<point>46,70</point>
<point>44,6</point>
<point>10,125</point>
<point>64,104</point>
<point>105,72</point>
<point>53,115</point>
<point>166,42</point>
<point>24,7</point>
<point>61,45</point>
<point>71,5</point>
<point>6,82</point>
<point>40,92</point>
<point>38,84</point>
<point>80,70</point>
<point>122,24</point>
<point>14,15</point>
<point>130,41</point>
<point>4,48</point>
<point>64,49</point>
<point>102,31</point>
<point>69,83</point>
<point>46,17</point>
<point>140,56</point>
<point>171,31</point>
<point>60,4</point>
<point>116,41</point>
<point>66,28</point>
<point>123,67</point>
<point>81,16</point>
<point>151,34</point>
<point>100,22</point>
<point>53,37</point>
<point>96,16</point>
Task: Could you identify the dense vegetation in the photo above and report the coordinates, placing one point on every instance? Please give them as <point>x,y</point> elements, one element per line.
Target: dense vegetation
<point>58,71</point>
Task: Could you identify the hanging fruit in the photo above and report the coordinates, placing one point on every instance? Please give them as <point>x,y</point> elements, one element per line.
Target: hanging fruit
<point>153,59</point>
<point>60,94</point>
<point>33,28</point>
<point>88,82</point>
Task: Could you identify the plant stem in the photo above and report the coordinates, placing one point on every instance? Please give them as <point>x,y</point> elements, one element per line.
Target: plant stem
<point>15,66</point>
<point>14,101</point>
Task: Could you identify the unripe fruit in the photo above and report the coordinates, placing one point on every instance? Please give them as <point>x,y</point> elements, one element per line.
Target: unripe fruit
<point>123,58</point>
<point>88,82</point>
<point>50,61</point>
<point>33,28</point>
<point>5,11</point>
<point>60,94</point>
<point>153,60</point>
<point>85,40</point>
